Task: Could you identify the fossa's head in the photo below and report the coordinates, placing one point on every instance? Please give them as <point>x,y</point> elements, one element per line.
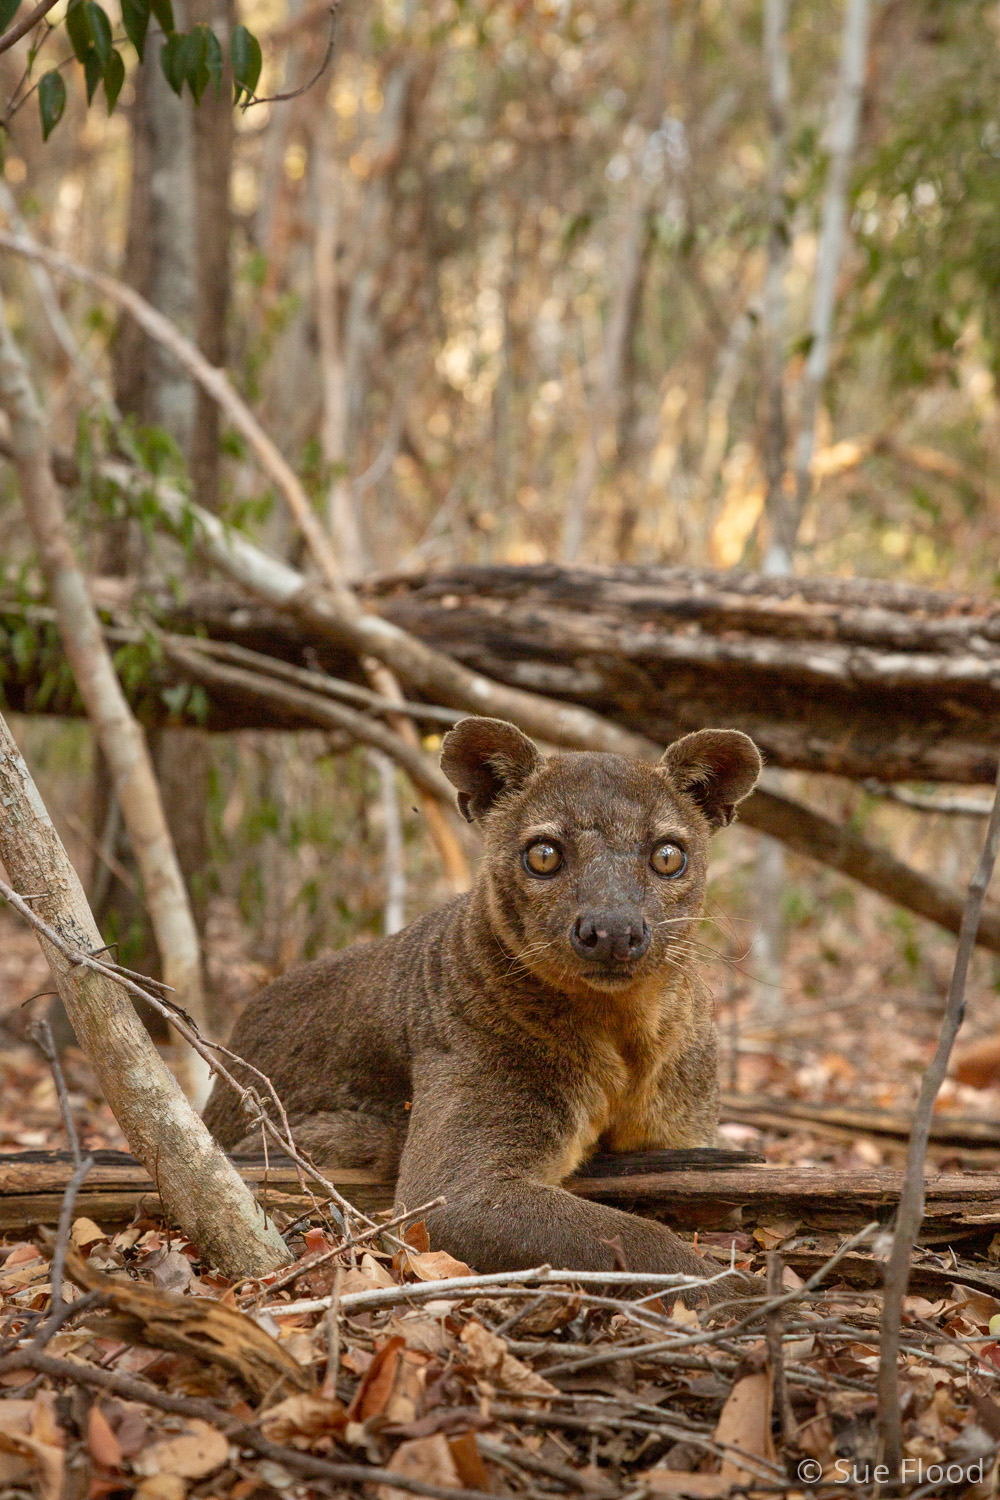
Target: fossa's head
<point>595,865</point>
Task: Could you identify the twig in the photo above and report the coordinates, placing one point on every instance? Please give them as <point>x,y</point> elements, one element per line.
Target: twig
<point>464,1286</point>
<point>216,384</point>
<point>523,1462</point>
<point>238,1432</point>
<point>42,1036</point>
<point>304,88</point>
<point>969,807</point>
<point>773,1322</point>
<point>38,13</point>
<point>293,1272</point>
<point>183,1024</point>
<point>911,1199</point>
<point>322,711</point>
<point>63,1230</point>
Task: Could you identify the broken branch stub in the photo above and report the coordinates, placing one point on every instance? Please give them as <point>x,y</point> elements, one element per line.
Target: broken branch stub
<point>199,1186</point>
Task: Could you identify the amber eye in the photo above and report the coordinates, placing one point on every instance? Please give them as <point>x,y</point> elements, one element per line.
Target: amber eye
<point>668,860</point>
<point>542,858</point>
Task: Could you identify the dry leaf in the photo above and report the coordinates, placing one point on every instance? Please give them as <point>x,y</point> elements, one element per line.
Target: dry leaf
<point>428,1459</point>
<point>302,1416</point>
<point>685,1316</point>
<point>417,1238</point>
<point>198,1450</point>
<point>162,1487</point>
<point>435,1265</point>
<point>419,1331</point>
<point>468,1461</point>
<point>85,1232</point>
<point>171,1271</point>
<point>489,1358</point>
<point>105,1448</point>
<point>31,1444</point>
<point>675,1482</point>
<point>367,1277</point>
<point>745,1422</point>
<point>376,1384</point>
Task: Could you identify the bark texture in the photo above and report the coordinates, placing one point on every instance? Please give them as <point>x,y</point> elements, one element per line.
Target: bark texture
<point>120,737</point>
<point>200,1188</point>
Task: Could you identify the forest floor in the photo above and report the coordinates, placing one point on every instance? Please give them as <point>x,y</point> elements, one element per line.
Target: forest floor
<point>530,1390</point>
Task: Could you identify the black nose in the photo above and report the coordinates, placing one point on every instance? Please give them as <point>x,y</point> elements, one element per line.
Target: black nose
<point>604,935</point>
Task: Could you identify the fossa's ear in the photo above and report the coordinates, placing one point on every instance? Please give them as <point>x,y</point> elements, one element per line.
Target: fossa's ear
<point>484,758</point>
<point>716,768</point>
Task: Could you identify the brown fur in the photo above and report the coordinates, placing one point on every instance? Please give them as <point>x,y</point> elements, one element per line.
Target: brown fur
<point>483,1054</point>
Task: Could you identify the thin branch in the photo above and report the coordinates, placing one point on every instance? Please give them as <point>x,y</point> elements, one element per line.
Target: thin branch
<point>41,1034</point>
<point>911,1200</point>
<point>321,711</point>
<point>242,1433</point>
<point>965,807</point>
<point>182,1023</point>
<point>331,42</point>
<point>22,27</point>
<point>216,383</point>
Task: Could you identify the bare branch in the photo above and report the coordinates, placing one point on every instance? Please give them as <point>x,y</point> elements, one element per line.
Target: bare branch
<point>22,27</point>
<point>911,1201</point>
<point>200,1187</point>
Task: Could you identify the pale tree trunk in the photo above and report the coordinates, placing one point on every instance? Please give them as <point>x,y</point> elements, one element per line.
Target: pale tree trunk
<point>393,851</point>
<point>119,736</point>
<point>214,133</point>
<point>771,870</point>
<point>829,253</point>
<point>342,350</point>
<point>627,264</point>
<point>341,504</point>
<point>199,1187</point>
<point>774,305</point>
<point>627,260</point>
<point>785,514</point>
<point>346,340</point>
<point>177,256</point>
<point>173,277</point>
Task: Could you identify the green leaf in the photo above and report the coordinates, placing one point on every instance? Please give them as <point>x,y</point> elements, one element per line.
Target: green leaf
<point>8,10</point>
<point>92,73</point>
<point>78,28</point>
<point>191,64</point>
<point>114,77</point>
<point>51,100</point>
<point>169,56</point>
<point>244,49</point>
<point>164,13</point>
<point>213,59</point>
<point>100,30</point>
<point>135,19</point>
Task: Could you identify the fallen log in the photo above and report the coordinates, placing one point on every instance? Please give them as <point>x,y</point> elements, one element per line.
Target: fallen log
<point>848,676</point>
<point>769,1113</point>
<point>305,697</point>
<point>958,1204</point>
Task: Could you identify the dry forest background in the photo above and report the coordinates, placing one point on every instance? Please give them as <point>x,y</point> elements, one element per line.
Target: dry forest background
<point>516,290</point>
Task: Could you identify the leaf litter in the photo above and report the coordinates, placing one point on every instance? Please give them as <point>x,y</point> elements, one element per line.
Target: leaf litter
<point>165,1380</point>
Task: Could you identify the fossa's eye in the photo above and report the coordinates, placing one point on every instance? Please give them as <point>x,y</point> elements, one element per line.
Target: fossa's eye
<point>668,860</point>
<point>542,858</point>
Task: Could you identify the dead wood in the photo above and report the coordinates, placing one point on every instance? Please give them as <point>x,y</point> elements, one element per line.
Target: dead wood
<point>197,1326</point>
<point>770,1113</point>
<point>198,1184</point>
<point>825,1197</point>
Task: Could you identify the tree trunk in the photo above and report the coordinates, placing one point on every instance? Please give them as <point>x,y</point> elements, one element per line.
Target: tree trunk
<point>120,738</point>
<point>200,1188</point>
